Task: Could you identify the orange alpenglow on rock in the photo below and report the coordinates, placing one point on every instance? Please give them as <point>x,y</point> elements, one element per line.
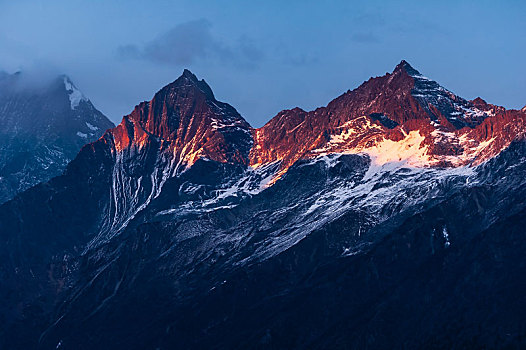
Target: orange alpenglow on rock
<point>402,117</point>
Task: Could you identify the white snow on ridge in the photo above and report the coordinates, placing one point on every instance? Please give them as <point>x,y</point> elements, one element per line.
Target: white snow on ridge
<point>92,127</point>
<point>401,187</point>
<point>81,134</point>
<point>446,237</point>
<point>361,136</point>
<point>252,182</point>
<point>410,149</point>
<point>75,96</point>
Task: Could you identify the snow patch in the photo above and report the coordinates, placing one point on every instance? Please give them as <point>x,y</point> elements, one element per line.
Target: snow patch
<point>75,96</point>
<point>92,127</point>
<point>409,150</point>
<point>445,234</point>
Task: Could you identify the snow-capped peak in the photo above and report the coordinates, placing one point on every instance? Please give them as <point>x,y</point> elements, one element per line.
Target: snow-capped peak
<point>75,95</point>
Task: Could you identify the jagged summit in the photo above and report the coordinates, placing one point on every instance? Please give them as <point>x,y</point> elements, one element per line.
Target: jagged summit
<point>440,105</point>
<point>186,115</point>
<point>189,80</point>
<point>188,74</point>
<point>404,66</point>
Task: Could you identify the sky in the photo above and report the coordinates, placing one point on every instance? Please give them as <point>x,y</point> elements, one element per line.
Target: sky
<point>265,56</point>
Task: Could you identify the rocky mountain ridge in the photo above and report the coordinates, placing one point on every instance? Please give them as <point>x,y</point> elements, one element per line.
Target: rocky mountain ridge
<point>401,116</point>
<point>187,228</point>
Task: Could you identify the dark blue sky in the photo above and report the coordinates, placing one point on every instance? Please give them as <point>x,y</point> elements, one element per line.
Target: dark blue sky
<point>265,56</point>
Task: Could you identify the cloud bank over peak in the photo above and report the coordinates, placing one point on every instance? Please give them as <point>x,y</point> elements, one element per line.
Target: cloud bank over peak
<point>192,41</point>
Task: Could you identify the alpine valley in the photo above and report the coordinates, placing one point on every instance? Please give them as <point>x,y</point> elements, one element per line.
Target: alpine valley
<point>394,217</point>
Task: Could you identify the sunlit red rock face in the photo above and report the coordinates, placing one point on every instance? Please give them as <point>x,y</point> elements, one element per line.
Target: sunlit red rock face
<point>188,123</point>
<point>162,138</point>
<point>401,116</point>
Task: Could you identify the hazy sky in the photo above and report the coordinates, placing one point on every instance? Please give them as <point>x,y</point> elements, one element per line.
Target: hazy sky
<point>265,56</point>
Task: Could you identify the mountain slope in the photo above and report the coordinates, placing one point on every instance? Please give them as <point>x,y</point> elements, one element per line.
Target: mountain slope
<point>184,227</point>
<point>283,275</point>
<point>103,188</point>
<point>42,128</point>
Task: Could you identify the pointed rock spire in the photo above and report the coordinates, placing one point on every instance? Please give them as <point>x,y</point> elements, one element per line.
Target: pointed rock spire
<point>186,115</point>
<point>189,80</point>
<point>188,74</point>
<point>404,66</point>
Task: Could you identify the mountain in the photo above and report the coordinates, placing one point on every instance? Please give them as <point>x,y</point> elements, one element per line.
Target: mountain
<point>404,108</point>
<point>42,128</point>
<point>392,217</point>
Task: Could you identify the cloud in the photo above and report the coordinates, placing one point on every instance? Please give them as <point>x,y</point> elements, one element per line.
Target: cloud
<point>192,41</point>
<point>33,77</point>
<point>301,59</point>
<point>365,38</point>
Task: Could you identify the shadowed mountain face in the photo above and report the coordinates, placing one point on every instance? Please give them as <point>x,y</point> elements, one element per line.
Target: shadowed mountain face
<point>42,128</point>
<point>390,218</point>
